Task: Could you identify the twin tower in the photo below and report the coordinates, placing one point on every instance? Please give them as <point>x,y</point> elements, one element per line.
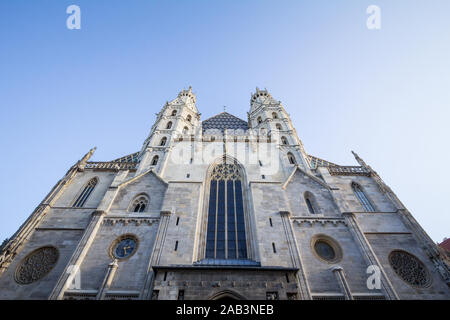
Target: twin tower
<point>267,139</point>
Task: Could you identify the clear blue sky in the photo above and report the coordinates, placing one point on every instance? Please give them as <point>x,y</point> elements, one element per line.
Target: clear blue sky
<point>384,94</point>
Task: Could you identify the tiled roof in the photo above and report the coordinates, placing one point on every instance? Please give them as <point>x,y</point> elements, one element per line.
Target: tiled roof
<point>317,162</point>
<point>129,158</point>
<point>445,244</point>
<point>224,121</point>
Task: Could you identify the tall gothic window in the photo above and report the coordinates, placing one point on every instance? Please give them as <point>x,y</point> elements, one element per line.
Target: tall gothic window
<point>174,113</point>
<point>225,238</point>
<point>169,125</point>
<point>155,160</point>
<point>163,141</point>
<point>284,140</point>
<point>189,118</point>
<point>274,115</point>
<point>310,202</point>
<point>359,193</point>
<point>85,193</point>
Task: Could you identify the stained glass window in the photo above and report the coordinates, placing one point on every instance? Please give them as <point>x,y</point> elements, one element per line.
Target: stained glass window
<point>225,238</point>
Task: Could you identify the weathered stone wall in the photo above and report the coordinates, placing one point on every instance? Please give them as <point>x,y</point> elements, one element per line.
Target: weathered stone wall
<point>203,284</point>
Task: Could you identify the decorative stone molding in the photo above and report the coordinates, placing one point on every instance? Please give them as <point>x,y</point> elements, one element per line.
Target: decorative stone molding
<point>323,221</point>
<point>348,171</point>
<point>127,221</point>
<point>112,165</point>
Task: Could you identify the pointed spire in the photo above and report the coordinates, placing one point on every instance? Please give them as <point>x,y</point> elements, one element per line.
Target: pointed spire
<point>82,163</point>
<point>359,160</point>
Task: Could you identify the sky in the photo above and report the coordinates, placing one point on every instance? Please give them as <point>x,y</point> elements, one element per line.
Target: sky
<point>383,93</point>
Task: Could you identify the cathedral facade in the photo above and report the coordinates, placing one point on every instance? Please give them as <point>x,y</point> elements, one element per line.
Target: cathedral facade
<point>222,208</point>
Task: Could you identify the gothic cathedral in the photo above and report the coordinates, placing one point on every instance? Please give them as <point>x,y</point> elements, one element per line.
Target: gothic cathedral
<point>222,208</point>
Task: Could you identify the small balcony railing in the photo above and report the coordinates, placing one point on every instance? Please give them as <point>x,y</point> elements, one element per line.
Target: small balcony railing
<point>348,171</point>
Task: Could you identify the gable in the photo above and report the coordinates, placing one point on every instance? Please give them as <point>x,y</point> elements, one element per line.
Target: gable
<point>149,184</point>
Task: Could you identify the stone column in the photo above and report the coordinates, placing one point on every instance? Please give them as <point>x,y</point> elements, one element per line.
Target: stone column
<point>338,272</point>
<point>369,255</point>
<point>109,277</point>
<point>302,283</point>
<point>156,255</point>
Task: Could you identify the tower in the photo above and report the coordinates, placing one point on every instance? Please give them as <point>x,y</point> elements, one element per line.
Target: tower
<point>268,117</point>
<point>177,118</point>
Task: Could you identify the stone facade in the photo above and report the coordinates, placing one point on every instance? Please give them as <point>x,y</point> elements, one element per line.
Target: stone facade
<point>136,227</point>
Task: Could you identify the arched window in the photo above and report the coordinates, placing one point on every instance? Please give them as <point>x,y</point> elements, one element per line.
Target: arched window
<point>163,141</point>
<point>155,160</point>
<point>310,202</point>
<point>169,125</point>
<point>174,113</point>
<point>189,118</point>
<point>278,126</point>
<point>359,193</point>
<point>185,130</point>
<point>274,115</point>
<point>284,140</point>
<point>291,158</point>
<point>225,238</point>
<point>85,193</point>
<point>259,120</point>
<point>139,204</point>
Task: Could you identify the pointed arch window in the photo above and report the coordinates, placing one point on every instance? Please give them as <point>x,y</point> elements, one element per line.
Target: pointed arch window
<point>274,115</point>
<point>278,126</point>
<point>291,158</point>
<point>225,237</point>
<point>85,193</point>
<point>284,140</point>
<point>310,202</point>
<point>155,160</point>
<point>185,130</point>
<point>163,141</point>
<point>189,118</point>
<point>139,204</point>
<point>360,194</point>
<point>259,120</point>
<point>174,113</point>
<point>169,125</point>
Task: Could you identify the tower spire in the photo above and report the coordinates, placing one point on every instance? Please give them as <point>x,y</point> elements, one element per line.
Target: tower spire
<point>359,160</point>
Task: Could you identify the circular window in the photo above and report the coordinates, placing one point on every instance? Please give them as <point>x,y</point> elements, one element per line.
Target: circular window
<point>36,265</point>
<point>409,268</point>
<point>326,248</point>
<point>124,247</point>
